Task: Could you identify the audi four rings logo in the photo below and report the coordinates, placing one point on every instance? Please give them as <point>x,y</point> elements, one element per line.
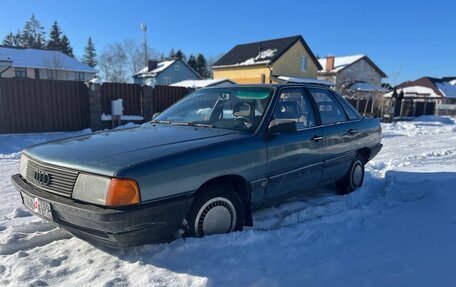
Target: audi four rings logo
<point>42,177</point>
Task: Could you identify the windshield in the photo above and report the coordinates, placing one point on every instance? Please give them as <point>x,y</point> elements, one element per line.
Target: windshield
<point>234,108</point>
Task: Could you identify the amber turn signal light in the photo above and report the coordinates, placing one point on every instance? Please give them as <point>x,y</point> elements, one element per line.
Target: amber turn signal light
<point>122,192</point>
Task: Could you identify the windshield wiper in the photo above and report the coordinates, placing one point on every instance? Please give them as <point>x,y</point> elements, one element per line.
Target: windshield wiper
<point>192,124</point>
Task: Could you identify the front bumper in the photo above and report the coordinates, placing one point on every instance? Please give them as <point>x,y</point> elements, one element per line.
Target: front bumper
<point>119,227</point>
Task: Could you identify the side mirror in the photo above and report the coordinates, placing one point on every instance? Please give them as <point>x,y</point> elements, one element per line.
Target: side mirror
<point>276,127</point>
<point>155,115</point>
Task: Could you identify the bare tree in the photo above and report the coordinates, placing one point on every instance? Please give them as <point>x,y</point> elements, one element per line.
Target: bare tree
<point>118,62</point>
<point>54,68</point>
<point>112,62</point>
<point>135,55</point>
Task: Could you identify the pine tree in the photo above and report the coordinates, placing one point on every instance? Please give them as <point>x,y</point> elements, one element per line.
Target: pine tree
<point>65,46</point>
<point>33,35</point>
<point>9,40</point>
<point>172,54</point>
<point>201,66</point>
<point>192,62</point>
<point>179,55</point>
<point>90,56</point>
<point>55,41</point>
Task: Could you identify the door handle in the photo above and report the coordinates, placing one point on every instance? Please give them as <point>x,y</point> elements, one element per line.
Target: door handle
<point>317,138</point>
<point>352,131</point>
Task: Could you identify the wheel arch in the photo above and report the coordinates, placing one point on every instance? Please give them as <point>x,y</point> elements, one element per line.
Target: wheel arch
<point>365,152</point>
<point>241,187</point>
<point>239,183</point>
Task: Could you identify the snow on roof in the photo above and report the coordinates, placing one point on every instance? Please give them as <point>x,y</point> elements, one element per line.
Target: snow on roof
<point>4,57</point>
<point>415,91</point>
<point>305,80</point>
<point>264,57</point>
<point>447,89</point>
<point>367,87</point>
<point>340,62</point>
<point>161,66</point>
<point>202,83</point>
<point>44,59</point>
<point>453,82</point>
<point>427,87</point>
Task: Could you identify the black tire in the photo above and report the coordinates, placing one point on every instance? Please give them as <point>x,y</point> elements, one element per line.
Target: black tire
<point>222,204</point>
<point>354,177</point>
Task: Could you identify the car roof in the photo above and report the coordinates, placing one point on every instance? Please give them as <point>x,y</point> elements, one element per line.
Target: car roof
<point>307,85</point>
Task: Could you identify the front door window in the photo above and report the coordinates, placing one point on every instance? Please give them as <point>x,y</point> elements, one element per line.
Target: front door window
<point>294,105</point>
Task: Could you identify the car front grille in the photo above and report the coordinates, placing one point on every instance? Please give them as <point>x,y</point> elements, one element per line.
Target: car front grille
<point>50,178</point>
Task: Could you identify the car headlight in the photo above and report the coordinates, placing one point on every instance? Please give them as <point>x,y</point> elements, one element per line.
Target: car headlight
<point>23,165</point>
<point>106,191</point>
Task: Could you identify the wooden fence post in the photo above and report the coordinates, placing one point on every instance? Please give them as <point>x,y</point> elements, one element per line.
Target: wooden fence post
<point>148,103</point>
<point>95,106</point>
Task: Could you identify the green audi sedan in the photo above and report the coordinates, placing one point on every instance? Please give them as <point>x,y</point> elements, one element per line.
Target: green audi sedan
<point>200,167</point>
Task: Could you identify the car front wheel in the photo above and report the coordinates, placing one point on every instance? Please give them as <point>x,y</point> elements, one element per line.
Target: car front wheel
<point>216,209</point>
<point>354,177</point>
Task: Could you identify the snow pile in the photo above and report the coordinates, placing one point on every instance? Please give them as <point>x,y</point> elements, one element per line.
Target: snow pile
<point>105,117</point>
<point>396,230</point>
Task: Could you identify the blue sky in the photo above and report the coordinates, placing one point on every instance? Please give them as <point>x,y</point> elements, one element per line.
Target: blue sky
<point>406,39</point>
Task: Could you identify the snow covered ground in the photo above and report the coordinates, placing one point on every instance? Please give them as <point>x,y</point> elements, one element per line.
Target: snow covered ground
<point>399,229</point>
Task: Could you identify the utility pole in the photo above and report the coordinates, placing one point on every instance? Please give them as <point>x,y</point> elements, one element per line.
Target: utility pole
<point>146,56</point>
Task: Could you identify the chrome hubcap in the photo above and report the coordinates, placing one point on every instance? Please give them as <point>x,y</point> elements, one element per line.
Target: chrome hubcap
<point>216,216</point>
<point>357,174</point>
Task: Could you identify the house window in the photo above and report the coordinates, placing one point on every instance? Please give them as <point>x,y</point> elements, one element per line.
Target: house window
<point>37,74</point>
<point>167,81</point>
<point>51,74</point>
<point>79,76</point>
<point>303,63</point>
<point>20,72</point>
<point>176,68</point>
<point>263,78</point>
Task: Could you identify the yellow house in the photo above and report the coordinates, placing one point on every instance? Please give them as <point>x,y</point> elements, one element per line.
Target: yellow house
<point>266,61</point>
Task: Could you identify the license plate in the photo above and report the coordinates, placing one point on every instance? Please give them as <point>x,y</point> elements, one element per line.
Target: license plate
<point>38,206</point>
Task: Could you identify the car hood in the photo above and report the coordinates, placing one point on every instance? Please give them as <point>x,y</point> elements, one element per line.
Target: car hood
<point>110,151</point>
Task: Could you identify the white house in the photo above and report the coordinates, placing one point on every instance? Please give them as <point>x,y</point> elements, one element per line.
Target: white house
<point>42,64</point>
<point>356,74</point>
<point>165,73</point>
<point>426,96</point>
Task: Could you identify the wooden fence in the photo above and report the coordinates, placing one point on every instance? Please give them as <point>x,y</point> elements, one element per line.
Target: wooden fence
<point>131,95</point>
<point>165,96</point>
<point>28,105</point>
<point>42,105</point>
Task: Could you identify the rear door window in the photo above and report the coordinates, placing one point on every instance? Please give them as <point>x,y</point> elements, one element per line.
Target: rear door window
<point>352,115</point>
<point>329,108</point>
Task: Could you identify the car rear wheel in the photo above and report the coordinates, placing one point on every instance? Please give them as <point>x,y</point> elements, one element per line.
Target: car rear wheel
<point>217,209</point>
<point>354,177</point>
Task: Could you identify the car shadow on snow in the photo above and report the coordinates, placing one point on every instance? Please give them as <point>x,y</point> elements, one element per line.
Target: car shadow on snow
<point>292,239</point>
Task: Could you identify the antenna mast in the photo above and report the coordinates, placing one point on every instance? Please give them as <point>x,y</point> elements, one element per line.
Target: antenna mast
<point>146,56</point>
